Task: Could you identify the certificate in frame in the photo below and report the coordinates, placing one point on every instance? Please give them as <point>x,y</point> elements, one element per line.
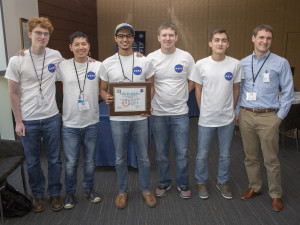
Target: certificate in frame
<point>130,98</point>
<point>25,40</point>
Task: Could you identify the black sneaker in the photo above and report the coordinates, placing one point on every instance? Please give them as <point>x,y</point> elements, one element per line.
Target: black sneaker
<point>69,201</point>
<point>92,196</point>
<point>185,192</point>
<point>161,190</point>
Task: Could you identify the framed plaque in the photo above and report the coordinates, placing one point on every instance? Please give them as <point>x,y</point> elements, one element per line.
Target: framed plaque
<point>130,98</point>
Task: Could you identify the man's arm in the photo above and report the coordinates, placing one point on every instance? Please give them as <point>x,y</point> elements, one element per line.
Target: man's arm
<point>198,92</point>
<point>151,79</point>
<point>13,88</point>
<point>191,85</point>
<point>104,94</point>
<point>236,93</point>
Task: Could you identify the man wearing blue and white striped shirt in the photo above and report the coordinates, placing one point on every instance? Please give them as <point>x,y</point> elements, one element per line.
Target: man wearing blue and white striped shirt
<point>259,112</point>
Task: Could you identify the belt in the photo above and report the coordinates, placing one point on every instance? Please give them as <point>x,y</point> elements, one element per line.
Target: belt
<point>259,110</point>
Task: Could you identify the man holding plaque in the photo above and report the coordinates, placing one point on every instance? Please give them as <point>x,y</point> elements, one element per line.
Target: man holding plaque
<point>125,66</point>
<point>170,119</point>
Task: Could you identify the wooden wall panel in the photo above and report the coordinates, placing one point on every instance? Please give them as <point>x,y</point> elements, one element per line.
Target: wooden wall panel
<point>196,19</point>
<point>110,14</point>
<point>68,16</point>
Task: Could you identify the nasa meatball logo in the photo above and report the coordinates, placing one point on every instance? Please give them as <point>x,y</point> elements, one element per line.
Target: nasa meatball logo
<point>51,68</point>
<point>228,76</point>
<point>137,70</point>
<point>178,68</point>
<point>91,75</point>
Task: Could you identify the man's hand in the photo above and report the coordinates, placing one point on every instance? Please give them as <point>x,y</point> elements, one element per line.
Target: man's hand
<point>236,120</point>
<point>20,52</point>
<point>20,129</point>
<point>90,59</point>
<point>147,115</point>
<point>139,55</point>
<point>108,99</point>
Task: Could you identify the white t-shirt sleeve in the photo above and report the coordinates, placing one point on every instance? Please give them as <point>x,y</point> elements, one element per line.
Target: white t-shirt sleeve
<point>239,75</point>
<point>12,72</point>
<point>58,72</point>
<point>150,69</point>
<point>196,74</point>
<point>191,66</point>
<point>103,73</point>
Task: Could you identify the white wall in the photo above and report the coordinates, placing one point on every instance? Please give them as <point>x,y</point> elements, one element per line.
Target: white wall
<point>12,11</point>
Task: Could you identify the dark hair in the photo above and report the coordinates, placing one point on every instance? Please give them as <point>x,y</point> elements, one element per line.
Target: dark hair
<point>78,34</point>
<point>218,31</point>
<point>262,27</point>
<point>167,25</point>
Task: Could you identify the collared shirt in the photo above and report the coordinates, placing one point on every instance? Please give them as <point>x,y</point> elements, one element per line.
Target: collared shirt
<point>267,93</point>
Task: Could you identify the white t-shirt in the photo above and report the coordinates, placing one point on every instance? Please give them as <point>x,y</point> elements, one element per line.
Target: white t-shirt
<point>72,116</point>
<point>111,71</point>
<point>21,70</point>
<point>171,75</point>
<point>217,78</point>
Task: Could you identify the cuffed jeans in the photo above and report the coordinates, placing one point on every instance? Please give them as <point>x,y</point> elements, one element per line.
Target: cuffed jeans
<point>122,131</point>
<point>205,137</point>
<point>176,127</point>
<point>73,139</point>
<point>49,129</point>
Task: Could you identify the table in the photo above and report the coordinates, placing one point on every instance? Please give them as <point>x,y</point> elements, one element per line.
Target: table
<point>105,152</point>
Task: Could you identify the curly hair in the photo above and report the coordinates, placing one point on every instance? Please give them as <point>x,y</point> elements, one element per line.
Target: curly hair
<point>43,22</point>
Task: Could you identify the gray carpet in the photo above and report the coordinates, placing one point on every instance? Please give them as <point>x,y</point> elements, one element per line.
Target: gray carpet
<point>172,210</point>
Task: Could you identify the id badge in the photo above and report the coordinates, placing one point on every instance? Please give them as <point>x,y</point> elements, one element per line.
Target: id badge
<point>266,77</point>
<point>42,99</point>
<point>251,96</point>
<point>82,105</point>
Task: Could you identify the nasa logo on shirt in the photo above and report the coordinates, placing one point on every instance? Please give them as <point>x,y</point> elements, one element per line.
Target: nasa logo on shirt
<point>137,70</point>
<point>228,76</point>
<point>141,90</point>
<point>91,75</point>
<point>51,68</point>
<point>178,68</point>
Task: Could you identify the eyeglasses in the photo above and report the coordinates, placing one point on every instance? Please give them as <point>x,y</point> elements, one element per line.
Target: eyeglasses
<point>39,33</point>
<point>121,36</point>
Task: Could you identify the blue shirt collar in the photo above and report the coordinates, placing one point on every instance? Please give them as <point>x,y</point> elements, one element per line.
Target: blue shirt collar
<point>253,54</point>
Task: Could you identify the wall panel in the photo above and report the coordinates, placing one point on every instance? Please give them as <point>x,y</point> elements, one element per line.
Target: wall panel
<point>70,16</point>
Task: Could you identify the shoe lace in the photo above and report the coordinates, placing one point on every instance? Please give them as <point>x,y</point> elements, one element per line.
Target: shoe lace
<point>184,189</point>
<point>226,186</point>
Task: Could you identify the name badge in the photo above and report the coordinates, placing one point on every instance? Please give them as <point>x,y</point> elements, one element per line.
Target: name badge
<point>266,77</point>
<point>42,99</point>
<point>82,106</point>
<point>251,96</point>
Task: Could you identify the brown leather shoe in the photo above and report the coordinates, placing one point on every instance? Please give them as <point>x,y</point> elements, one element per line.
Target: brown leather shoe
<point>38,204</point>
<point>277,204</point>
<point>121,200</point>
<point>56,203</point>
<point>250,193</point>
<point>150,199</point>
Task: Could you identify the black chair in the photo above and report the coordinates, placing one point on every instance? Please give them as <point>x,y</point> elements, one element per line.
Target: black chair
<point>11,157</point>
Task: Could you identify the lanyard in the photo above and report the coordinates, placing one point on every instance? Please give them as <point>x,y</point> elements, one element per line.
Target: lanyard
<point>40,83</point>
<point>254,78</point>
<point>123,69</point>
<point>87,65</point>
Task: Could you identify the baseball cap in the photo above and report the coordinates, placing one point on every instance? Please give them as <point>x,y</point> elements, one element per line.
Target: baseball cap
<point>124,26</point>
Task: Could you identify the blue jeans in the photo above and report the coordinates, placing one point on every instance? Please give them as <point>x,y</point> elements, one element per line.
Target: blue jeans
<point>73,139</point>
<point>205,137</point>
<point>49,129</point>
<point>122,131</point>
<point>176,127</point>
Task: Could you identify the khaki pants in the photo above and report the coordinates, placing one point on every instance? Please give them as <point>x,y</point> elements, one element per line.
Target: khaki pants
<point>261,130</point>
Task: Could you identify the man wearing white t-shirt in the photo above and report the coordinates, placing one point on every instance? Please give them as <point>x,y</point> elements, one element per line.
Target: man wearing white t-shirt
<point>31,83</point>
<point>80,117</point>
<point>170,119</point>
<point>217,80</point>
<point>125,66</point>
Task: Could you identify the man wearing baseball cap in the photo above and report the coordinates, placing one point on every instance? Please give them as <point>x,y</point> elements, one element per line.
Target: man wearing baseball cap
<point>125,66</point>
